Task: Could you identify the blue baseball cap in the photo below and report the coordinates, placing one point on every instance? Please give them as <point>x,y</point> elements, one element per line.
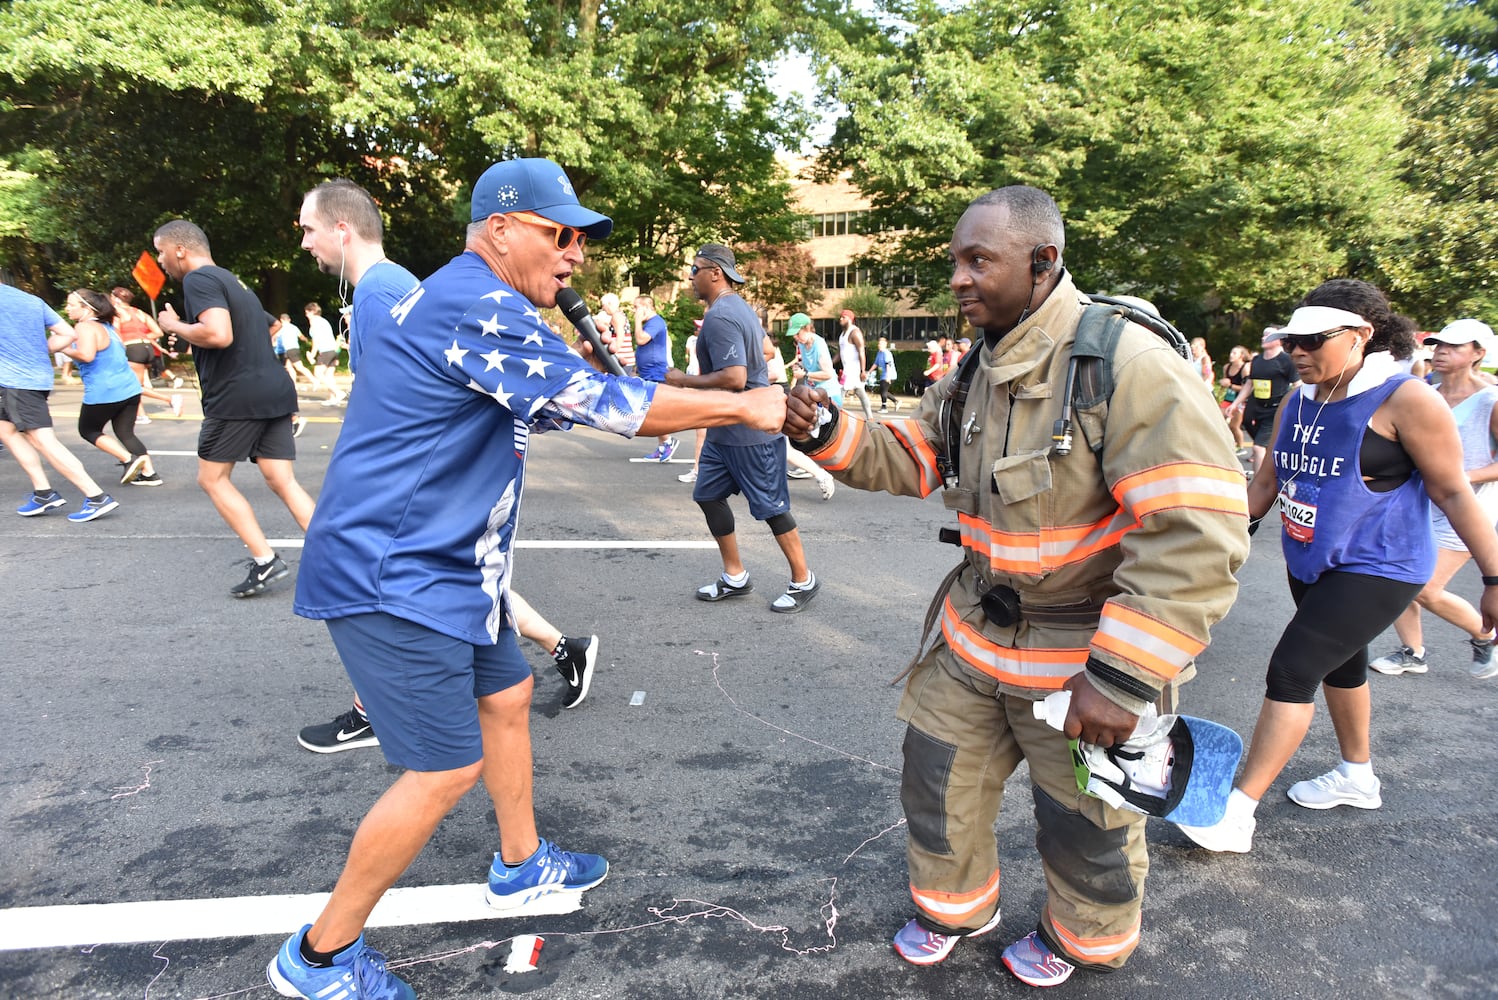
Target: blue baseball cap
<point>535,185</point>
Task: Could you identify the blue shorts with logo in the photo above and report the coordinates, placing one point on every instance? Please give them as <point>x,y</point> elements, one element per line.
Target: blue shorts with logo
<point>419,686</point>
<point>755,470</point>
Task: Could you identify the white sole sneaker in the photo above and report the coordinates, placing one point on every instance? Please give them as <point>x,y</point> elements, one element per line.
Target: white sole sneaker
<point>1318,793</point>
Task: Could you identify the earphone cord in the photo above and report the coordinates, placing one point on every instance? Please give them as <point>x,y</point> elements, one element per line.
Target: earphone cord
<point>342,284</point>
<point>1300,401</point>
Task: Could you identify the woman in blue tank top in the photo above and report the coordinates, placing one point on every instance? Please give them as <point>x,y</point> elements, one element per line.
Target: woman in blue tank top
<point>1359,452</point>
<point>111,391</point>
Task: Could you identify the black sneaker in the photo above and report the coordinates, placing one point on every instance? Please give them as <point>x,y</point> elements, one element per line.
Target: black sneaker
<point>579,657</point>
<point>261,577</point>
<point>132,469</point>
<point>151,480</point>
<point>346,732</point>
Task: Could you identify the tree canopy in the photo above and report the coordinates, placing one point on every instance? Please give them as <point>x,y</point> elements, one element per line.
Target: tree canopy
<point>1218,159</point>
<point>121,114</point>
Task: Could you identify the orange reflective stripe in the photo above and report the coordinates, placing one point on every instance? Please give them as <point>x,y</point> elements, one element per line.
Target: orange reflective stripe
<point>1183,484</point>
<point>1098,949</point>
<point>838,452</point>
<point>956,909</point>
<point>1046,669</point>
<point>1144,641</point>
<point>1037,552</point>
<point>907,431</point>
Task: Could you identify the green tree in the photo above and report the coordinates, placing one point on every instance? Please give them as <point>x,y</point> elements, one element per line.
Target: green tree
<point>660,110</point>
<point>1217,157</point>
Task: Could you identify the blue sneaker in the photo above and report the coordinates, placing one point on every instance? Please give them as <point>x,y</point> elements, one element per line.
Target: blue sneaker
<point>94,508</point>
<point>1035,964</point>
<point>550,870</point>
<point>668,449</point>
<point>40,503</point>
<point>919,946</point>
<point>358,971</point>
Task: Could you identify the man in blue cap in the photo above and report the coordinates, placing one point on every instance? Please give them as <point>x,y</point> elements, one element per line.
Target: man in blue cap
<point>407,558</point>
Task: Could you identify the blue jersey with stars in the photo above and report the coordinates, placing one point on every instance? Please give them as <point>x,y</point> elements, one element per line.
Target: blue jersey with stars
<point>418,511</point>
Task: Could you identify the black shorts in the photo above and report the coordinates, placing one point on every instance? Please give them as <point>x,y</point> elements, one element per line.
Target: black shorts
<point>222,440</point>
<point>26,408</point>
<point>140,353</point>
<point>1327,640</point>
<point>1259,425</point>
<point>328,359</point>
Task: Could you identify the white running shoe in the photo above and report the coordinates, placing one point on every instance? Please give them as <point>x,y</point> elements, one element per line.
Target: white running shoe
<point>1234,835</point>
<point>1335,789</point>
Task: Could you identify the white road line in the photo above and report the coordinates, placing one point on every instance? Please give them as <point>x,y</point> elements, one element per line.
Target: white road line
<point>559,543</point>
<point>30,927</point>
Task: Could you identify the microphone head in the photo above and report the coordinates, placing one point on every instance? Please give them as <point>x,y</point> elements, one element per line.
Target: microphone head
<point>572,305</point>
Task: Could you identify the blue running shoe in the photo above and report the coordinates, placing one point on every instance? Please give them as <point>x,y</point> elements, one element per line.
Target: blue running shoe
<point>40,503</point>
<point>1035,964</point>
<point>358,973</point>
<point>94,508</point>
<point>550,870</point>
<point>668,449</point>
<point>919,946</point>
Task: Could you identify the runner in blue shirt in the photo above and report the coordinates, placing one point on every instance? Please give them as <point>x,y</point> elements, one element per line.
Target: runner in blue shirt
<point>408,554</point>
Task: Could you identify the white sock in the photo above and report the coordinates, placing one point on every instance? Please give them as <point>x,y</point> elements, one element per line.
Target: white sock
<point>737,581</point>
<point>265,560</point>
<point>1419,653</point>
<point>805,584</point>
<point>1361,774</point>
<point>1240,806</point>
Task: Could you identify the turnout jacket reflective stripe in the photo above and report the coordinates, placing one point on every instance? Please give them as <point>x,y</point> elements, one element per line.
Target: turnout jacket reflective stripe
<point>1152,527</point>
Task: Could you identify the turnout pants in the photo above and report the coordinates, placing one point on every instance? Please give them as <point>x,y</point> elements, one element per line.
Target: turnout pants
<point>962,742</point>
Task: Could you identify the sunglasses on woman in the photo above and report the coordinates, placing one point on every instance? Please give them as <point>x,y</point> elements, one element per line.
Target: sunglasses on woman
<point>564,236</point>
<point>1310,342</point>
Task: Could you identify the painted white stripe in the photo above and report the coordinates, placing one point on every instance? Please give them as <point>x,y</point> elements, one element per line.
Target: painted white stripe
<point>247,916</point>
<point>524,543</point>
<point>669,461</point>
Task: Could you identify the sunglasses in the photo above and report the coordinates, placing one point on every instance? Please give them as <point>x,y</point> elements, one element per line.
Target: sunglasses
<point>1310,342</point>
<point>704,267</point>
<point>564,236</point>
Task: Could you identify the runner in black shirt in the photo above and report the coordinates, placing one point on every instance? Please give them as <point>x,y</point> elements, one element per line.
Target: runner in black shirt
<point>1270,376</point>
<point>247,400</point>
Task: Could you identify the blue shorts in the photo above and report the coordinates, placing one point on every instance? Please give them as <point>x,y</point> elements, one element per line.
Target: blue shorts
<point>419,686</point>
<point>755,470</point>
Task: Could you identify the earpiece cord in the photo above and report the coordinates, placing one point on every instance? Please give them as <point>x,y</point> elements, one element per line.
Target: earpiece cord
<point>1300,400</point>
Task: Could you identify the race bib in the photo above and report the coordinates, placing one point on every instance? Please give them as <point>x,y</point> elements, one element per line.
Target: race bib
<point>1262,388</point>
<point>1298,515</point>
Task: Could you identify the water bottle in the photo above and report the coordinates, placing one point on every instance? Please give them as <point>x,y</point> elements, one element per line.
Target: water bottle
<point>1052,711</point>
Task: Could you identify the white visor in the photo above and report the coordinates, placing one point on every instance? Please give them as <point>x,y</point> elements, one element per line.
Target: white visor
<point>1318,319</point>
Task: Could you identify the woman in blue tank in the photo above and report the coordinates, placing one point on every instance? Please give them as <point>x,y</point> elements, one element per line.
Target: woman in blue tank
<point>1359,453</point>
<point>111,390</point>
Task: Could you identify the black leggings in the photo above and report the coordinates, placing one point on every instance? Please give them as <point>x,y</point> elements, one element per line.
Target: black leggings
<point>121,416</point>
<point>1327,640</point>
<point>884,391</point>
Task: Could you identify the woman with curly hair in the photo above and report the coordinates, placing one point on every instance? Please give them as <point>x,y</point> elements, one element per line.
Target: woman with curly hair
<point>1358,455</point>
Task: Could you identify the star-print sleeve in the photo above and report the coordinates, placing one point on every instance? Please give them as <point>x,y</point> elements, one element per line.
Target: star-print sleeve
<point>503,349</point>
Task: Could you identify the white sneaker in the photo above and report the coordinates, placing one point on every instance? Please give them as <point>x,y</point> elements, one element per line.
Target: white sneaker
<point>1231,834</point>
<point>176,406</point>
<point>1335,789</point>
<point>687,477</point>
<point>827,485</point>
<point>1402,661</point>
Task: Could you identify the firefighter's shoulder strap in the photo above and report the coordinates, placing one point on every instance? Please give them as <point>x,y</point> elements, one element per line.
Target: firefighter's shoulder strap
<point>1089,378</point>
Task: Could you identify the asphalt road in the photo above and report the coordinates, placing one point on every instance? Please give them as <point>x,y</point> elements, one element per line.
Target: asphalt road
<point>749,805</point>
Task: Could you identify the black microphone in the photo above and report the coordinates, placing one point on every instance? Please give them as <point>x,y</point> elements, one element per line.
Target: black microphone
<point>576,311</point>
